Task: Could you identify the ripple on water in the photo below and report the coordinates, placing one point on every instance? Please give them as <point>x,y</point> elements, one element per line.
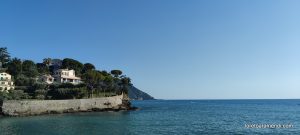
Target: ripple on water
<point>164,117</point>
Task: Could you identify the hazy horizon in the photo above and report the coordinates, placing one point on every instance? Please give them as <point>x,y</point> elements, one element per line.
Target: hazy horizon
<point>170,49</point>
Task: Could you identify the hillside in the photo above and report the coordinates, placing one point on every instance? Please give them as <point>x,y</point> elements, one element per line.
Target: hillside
<point>136,94</point>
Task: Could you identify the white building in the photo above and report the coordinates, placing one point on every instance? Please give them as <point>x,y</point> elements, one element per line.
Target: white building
<point>66,76</point>
<point>5,82</point>
<point>47,79</point>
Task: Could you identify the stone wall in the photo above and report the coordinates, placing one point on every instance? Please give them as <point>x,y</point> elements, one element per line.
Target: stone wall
<point>37,107</point>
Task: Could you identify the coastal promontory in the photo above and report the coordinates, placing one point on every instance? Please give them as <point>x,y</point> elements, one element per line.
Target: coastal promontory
<point>61,85</point>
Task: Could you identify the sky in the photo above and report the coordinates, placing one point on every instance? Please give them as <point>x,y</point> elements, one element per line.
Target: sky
<point>171,49</point>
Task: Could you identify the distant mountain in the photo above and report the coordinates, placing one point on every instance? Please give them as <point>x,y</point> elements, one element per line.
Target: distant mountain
<point>136,94</point>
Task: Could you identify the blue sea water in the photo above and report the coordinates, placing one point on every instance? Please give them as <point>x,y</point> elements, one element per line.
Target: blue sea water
<point>166,117</point>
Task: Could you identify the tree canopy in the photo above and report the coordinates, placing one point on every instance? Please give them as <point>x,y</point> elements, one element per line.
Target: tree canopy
<point>93,77</point>
<point>116,73</point>
<point>96,83</point>
<point>4,56</point>
<point>88,67</point>
<point>15,67</point>
<point>47,61</point>
<point>42,68</point>
<point>29,68</point>
<point>68,63</point>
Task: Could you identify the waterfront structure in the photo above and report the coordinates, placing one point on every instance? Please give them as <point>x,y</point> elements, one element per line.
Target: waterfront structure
<point>6,82</point>
<point>66,76</point>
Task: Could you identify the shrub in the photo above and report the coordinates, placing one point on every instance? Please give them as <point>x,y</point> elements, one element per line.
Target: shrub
<point>67,93</point>
<point>15,95</point>
<point>40,94</point>
<point>41,97</point>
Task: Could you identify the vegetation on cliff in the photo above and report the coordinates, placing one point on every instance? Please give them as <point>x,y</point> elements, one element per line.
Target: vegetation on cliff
<point>25,73</point>
<point>136,94</point>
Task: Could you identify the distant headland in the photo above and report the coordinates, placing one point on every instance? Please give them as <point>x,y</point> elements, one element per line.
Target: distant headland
<point>62,79</point>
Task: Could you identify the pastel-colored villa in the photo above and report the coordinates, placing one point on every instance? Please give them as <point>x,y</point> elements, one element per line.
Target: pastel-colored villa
<point>61,76</point>
<point>6,82</point>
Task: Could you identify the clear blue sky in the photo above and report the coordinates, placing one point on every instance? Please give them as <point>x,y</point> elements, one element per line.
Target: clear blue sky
<point>172,49</point>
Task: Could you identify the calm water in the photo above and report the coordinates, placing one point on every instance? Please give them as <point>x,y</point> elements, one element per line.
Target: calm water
<point>167,118</point>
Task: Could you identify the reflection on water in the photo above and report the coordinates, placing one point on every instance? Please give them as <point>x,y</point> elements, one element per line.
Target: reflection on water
<point>79,123</point>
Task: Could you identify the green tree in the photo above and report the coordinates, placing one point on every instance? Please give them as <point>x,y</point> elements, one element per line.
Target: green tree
<point>13,95</point>
<point>116,73</point>
<point>125,83</point>
<point>42,68</point>
<point>109,83</point>
<point>3,96</point>
<point>47,61</point>
<point>67,91</point>
<point>88,67</point>
<point>72,64</point>
<point>92,77</point>
<point>4,56</point>
<point>22,80</point>
<point>18,95</point>
<point>29,68</point>
<point>104,73</point>
<point>40,94</point>
<point>14,67</point>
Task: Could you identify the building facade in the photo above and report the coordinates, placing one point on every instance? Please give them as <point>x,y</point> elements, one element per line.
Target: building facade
<point>66,76</point>
<point>6,82</point>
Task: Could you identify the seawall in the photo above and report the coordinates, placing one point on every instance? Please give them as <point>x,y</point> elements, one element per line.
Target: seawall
<point>38,107</point>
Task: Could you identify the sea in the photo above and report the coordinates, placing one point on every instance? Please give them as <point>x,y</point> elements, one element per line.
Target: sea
<point>168,117</point>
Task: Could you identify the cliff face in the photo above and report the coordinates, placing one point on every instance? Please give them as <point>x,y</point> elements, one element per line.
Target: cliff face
<point>136,94</point>
<point>37,107</point>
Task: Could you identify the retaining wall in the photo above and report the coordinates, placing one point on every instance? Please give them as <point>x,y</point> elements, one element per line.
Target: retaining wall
<point>37,107</point>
